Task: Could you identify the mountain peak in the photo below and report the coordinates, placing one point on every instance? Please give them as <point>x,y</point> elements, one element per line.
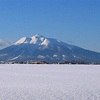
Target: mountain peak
<point>37,35</point>
<point>38,47</point>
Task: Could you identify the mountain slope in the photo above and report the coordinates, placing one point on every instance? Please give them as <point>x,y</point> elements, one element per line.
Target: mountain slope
<point>40,48</point>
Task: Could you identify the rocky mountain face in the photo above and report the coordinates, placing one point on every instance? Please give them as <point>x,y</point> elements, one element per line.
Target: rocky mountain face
<point>47,49</point>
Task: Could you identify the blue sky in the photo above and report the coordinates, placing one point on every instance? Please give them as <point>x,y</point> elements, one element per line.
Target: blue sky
<point>76,22</point>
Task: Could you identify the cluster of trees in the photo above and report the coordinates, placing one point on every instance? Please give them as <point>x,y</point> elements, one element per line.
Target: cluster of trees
<point>45,62</point>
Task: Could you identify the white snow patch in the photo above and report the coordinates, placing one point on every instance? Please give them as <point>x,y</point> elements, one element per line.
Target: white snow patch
<point>64,56</point>
<point>75,56</point>
<point>17,56</point>
<point>33,40</point>
<point>41,56</point>
<point>55,56</point>
<point>45,42</point>
<point>70,48</point>
<point>23,40</point>
<point>37,39</point>
<point>59,41</point>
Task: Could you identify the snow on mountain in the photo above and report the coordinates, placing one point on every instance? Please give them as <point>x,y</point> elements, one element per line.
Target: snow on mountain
<point>23,40</point>
<point>48,49</point>
<point>37,39</point>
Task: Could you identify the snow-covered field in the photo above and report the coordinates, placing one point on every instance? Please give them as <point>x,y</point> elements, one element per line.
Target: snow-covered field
<point>49,82</point>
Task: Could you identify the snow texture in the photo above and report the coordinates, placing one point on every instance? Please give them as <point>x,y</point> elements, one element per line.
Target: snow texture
<point>37,39</point>
<point>49,82</point>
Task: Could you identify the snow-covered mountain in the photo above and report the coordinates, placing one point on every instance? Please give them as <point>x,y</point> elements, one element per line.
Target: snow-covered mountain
<point>4,44</point>
<point>48,49</point>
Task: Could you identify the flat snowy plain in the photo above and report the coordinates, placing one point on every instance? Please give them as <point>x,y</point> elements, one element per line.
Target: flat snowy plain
<point>49,82</point>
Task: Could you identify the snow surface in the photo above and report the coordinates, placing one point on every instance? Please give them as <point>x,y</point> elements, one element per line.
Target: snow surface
<point>36,39</point>
<point>49,82</point>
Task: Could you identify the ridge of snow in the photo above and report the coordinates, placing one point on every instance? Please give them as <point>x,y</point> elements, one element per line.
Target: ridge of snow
<point>23,40</point>
<point>36,39</point>
<point>17,56</point>
<point>45,42</point>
